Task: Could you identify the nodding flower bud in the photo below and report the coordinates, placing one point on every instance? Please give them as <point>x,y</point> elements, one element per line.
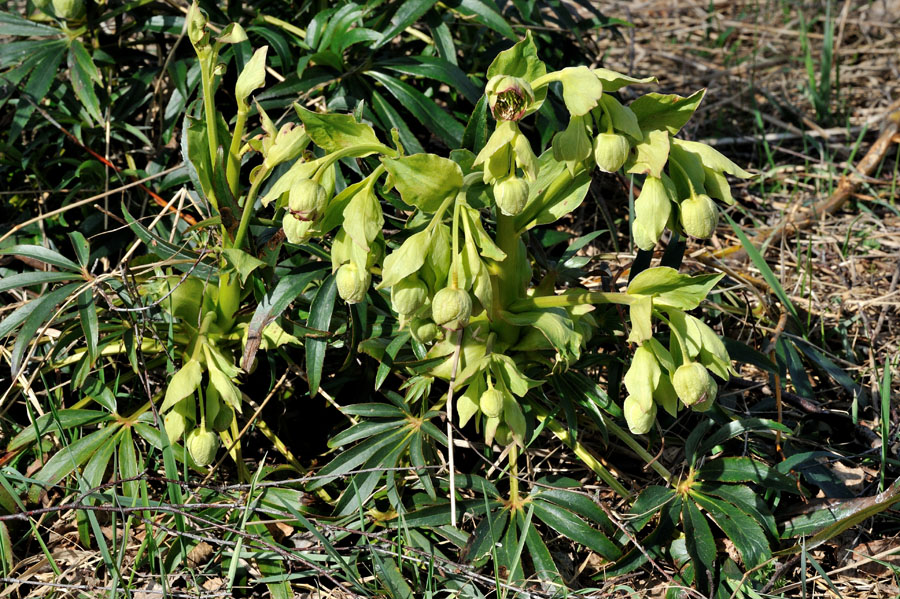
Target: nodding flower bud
<point>307,199</point>
<point>611,151</point>
<point>222,421</point>
<point>202,444</point>
<point>491,403</point>
<point>423,330</point>
<point>511,195</point>
<point>70,10</point>
<point>352,283</point>
<point>699,216</point>
<point>573,144</point>
<point>451,308</point>
<point>509,97</point>
<point>691,381</point>
<point>651,211</point>
<point>296,230</point>
<point>408,295</point>
<point>640,416</point>
<point>502,435</point>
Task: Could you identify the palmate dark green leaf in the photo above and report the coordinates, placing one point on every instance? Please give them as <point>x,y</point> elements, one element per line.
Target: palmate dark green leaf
<point>37,87</point>
<point>183,259</point>
<point>387,361</point>
<point>486,13</point>
<point>541,559</point>
<point>84,74</point>
<point>505,553</point>
<point>363,430</point>
<point>62,419</point>
<point>741,352</point>
<point>353,458</point>
<point>834,371</point>
<point>129,468</point>
<point>763,267</point>
<point>392,577</point>
<point>319,318</point>
<point>67,459</point>
<point>795,367</point>
<point>42,313</point>
<point>407,14</point>
<point>417,458</point>
<point>699,541</point>
<point>827,522</point>
<point>87,313</point>
<point>379,464</point>
<point>476,132</point>
<point>423,108</point>
<point>272,305</point>
<point>486,535</point>
<point>745,499</point>
<point>743,530</point>
<point>580,504</point>
<point>43,254</point>
<point>739,427</point>
<point>568,524</point>
<point>14,25</point>
<point>438,69</point>
<point>654,543</point>
<point>744,469</point>
<point>374,410</point>
<point>390,118</point>
<point>30,279</point>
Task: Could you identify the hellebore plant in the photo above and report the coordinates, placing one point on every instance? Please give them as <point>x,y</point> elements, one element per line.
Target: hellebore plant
<point>459,274</point>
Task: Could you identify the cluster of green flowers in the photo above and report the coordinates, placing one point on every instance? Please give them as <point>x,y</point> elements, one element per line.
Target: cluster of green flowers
<point>459,290</point>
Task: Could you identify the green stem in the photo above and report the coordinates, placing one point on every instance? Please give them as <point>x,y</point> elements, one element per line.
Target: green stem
<point>455,242</point>
<point>630,441</point>
<point>528,304</point>
<point>232,170</point>
<point>301,33</point>
<point>514,473</point>
<point>684,174</point>
<point>357,151</point>
<point>206,81</point>
<point>245,214</point>
<point>582,452</point>
<point>508,278</point>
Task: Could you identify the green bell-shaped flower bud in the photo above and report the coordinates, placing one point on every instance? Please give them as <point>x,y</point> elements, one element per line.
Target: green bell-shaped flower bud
<point>491,403</point>
<point>707,402</point>
<point>307,199</point>
<point>296,230</point>
<point>424,330</point>
<point>511,195</point>
<point>691,381</point>
<point>573,144</point>
<point>222,421</point>
<point>508,97</point>
<point>651,212</point>
<point>451,308</point>
<point>202,444</point>
<point>408,295</point>
<point>502,435</point>
<point>639,415</point>
<point>352,283</point>
<point>699,216</point>
<point>70,10</point>
<point>611,151</point>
